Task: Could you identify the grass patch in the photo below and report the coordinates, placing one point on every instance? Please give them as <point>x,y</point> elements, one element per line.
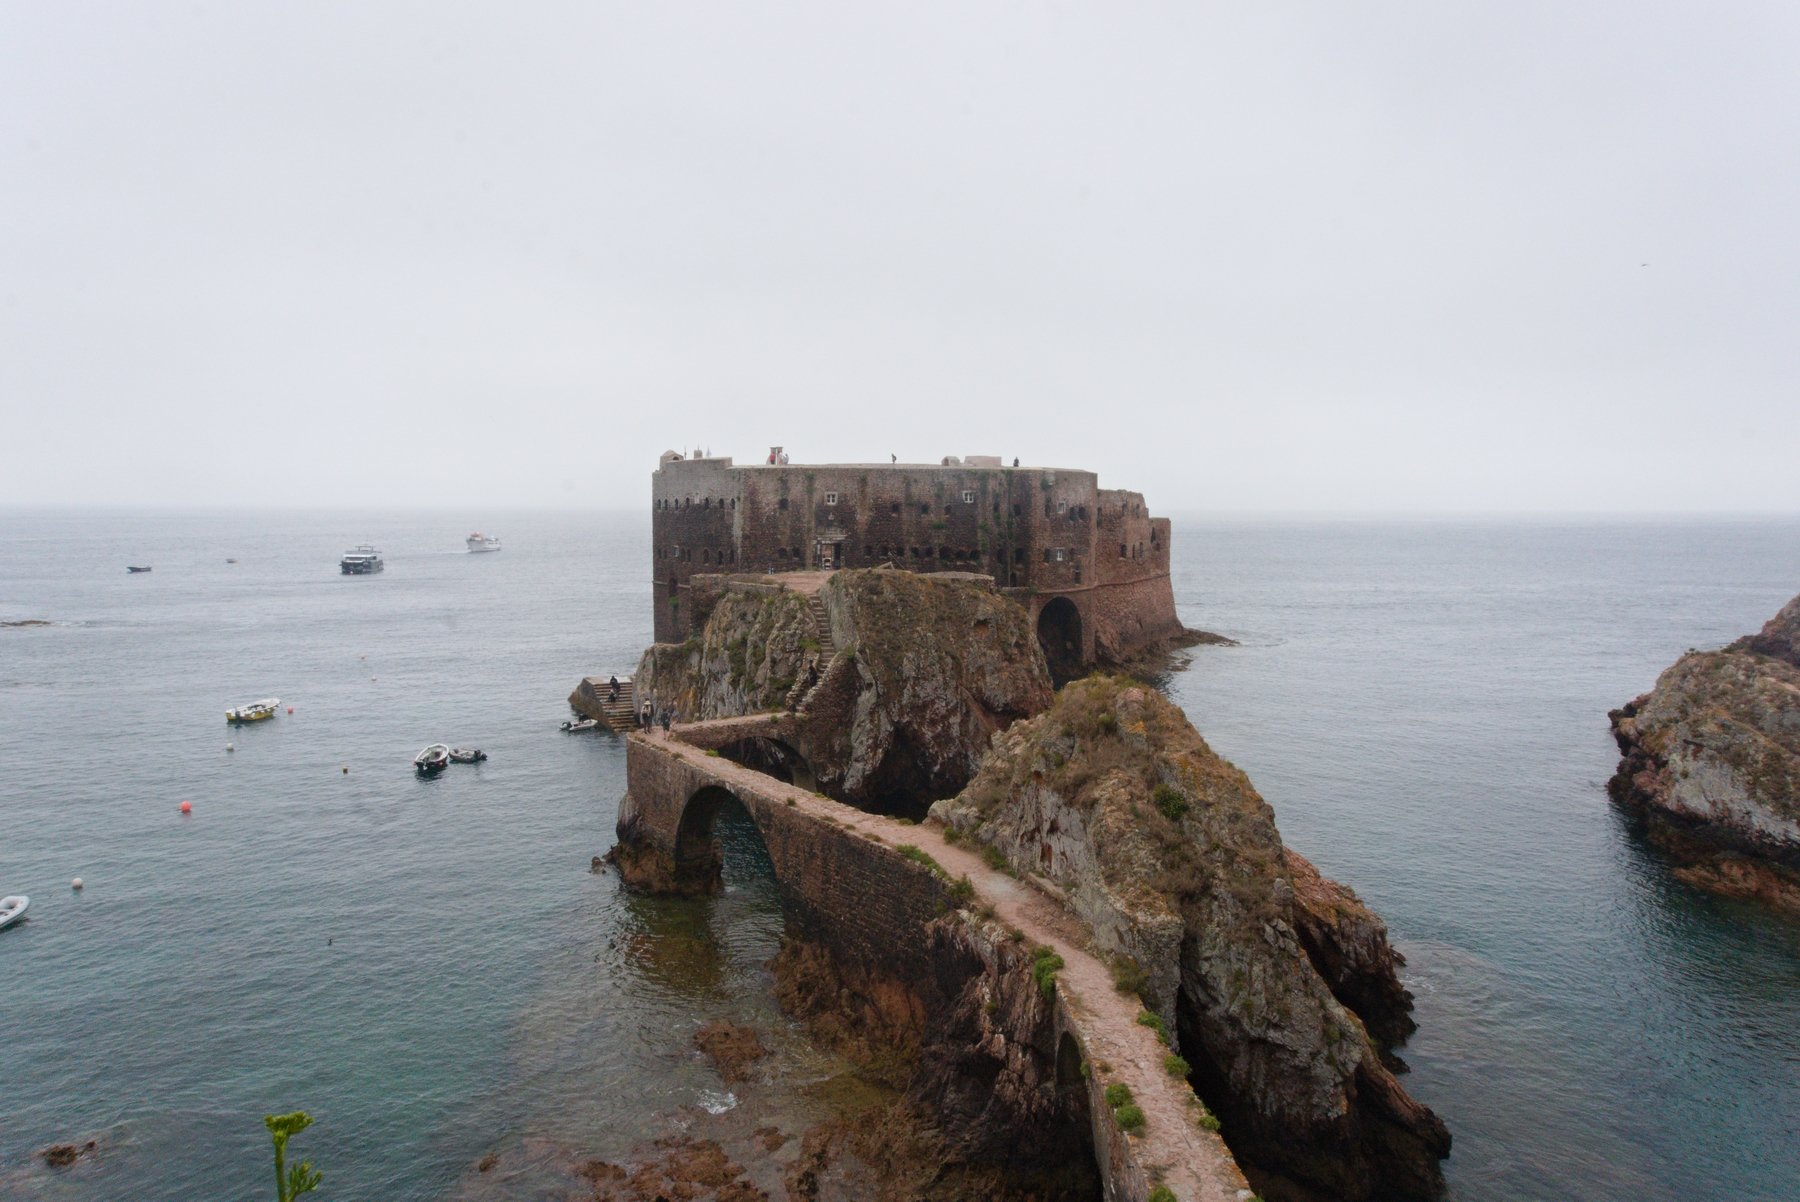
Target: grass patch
<point>1129,1118</point>
<point>963,890</point>
<point>994,858</point>
<point>1045,964</point>
<point>1176,1066</point>
<point>1161,1193</point>
<point>1154,1021</point>
<point>1169,802</point>
<point>1117,1094</point>
<point>918,855</point>
<point>1209,1120</point>
<point>1129,976</point>
<point>952,836</point>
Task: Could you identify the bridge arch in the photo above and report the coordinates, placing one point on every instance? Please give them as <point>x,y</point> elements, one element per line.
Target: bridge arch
<point>1059,634</point>
<point>773,757</point>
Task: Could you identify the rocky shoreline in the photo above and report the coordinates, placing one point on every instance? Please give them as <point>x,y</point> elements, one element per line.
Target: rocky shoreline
<point>1275,990</point>
<point>1711,764</point>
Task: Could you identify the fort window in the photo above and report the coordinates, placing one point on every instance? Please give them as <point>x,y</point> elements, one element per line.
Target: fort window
<point>924,511</point>
<point>796,552</point>
<point>968,496</point>
<point>943,552</point>
<point>781,504</point>
<point>1018,554</point>
<point>831,498</point>
<point>1062,507</point>
<point>1121,550</point>
<point>868,551</point>
<point>734,502</point>
<point>706,504</point>
<point>896,507</point>
<point>1018,510</point>
<point>780,552</point>
<point>1078,573</point>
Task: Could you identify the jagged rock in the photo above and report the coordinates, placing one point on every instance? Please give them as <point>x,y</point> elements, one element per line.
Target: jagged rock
<point>1174,861</point>
<point>1712,763</point>
<point>927,668</point>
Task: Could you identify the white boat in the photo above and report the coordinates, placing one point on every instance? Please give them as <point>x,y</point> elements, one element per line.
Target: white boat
<point>432,759</point>
<point>467,755</point>
<point>483,542</point>
<point>360,560</point>
<point>579,724</point>
<point>256,711</point>
<point>12,909</point>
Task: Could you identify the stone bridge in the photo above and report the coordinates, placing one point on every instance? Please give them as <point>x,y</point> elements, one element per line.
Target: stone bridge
<point>842,870</point>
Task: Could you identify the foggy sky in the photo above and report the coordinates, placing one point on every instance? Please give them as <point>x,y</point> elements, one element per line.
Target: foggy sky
<point>1253,256</point>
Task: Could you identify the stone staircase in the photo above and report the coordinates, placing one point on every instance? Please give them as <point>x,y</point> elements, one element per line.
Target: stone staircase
<point>825,656</point>
<point>620,714</point>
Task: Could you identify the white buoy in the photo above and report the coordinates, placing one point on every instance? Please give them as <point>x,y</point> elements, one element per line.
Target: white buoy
<point>75,884</point>
<point>231,747</point>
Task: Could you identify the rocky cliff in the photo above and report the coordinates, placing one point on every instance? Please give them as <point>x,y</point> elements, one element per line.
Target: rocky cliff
<point>1275,984</point>
<point>1712,763</point>
<point>926,668</point>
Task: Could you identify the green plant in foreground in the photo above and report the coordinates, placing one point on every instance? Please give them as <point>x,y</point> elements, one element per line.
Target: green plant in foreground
<point>1045,964</point>
<point>1117,1094</point>
<point>1129,976</point>
<point>290,1183</point>
<point>962,889</point>
<point>1161,1193</point>
<point>1176,1066</point>
<point>1129,1117</point>
<point>1154,1021</point>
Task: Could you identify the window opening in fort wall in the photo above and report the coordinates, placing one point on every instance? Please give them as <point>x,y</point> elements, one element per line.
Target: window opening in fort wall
<point>1040,533</point>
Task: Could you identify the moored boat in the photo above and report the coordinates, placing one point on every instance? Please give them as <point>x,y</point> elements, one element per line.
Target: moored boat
<point>360,560</point>
<point>256,711</point>
<point>12,909</point>
<point>432,759</point>
<point>575,725</point>
<point>135,568</point>
<point>467,755</point>
<point>483,542</point>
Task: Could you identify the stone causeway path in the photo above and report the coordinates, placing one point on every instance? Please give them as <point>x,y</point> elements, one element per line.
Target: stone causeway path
<point>1172,1150</point>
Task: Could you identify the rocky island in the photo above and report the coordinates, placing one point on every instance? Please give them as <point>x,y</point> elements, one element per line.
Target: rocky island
<point>1712,764</point>
<point>1061,929</point>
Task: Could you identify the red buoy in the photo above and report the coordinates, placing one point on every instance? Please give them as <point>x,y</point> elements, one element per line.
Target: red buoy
<point>187,807</point>
<point>290,709</point>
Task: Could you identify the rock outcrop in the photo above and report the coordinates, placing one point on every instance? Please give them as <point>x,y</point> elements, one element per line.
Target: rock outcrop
<point>915,674</point>
<point>1712,763</point>
<point>1275,984</point>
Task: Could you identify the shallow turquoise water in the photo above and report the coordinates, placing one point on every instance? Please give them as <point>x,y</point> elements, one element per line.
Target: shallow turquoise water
<point>1424,704</point>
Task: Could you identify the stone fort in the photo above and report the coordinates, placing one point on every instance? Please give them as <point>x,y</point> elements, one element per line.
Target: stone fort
<point>1089,564</point>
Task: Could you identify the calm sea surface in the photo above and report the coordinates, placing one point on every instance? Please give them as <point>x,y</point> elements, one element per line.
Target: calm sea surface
<point>430,968</point>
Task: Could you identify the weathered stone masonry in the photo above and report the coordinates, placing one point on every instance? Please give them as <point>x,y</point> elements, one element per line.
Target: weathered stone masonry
<point>1089,564</point>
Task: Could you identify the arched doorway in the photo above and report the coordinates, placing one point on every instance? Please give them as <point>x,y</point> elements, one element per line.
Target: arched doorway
<point>1059,634</point>
<point>773,757</point>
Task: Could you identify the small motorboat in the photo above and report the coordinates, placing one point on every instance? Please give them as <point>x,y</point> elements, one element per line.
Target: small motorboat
<point>256,711</point>
<point>12,909</point>
<point>482,542</point>
<point>467,755</point>
<point>135,568</point>
<point>575,725</point>
<point>432,760</point>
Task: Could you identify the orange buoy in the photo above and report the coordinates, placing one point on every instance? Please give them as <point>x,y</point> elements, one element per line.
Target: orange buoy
<point>187,807</point>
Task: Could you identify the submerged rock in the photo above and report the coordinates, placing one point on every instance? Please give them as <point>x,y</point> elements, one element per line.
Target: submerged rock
<point>1276,985</point>
<point>1712,763</point>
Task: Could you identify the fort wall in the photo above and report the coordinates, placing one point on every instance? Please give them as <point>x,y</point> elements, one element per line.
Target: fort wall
<point>1039,533</point>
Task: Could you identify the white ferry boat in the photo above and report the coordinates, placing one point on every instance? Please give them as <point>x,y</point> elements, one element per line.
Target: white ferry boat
<point>483,542</point>
<point>360,560</point>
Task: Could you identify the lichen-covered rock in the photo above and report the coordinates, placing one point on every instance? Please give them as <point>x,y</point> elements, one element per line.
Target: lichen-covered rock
<point>927,668</point>
<point>1174,861</point>
<point>744,660</point>
<point>1712,763</point>
<point>930,668</point>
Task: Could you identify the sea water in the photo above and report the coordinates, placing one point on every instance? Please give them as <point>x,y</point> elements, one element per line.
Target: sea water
<point>431,968</point>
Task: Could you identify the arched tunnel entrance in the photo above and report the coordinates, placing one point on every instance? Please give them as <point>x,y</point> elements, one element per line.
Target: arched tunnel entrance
<point>718,843</point>
<point>1059,634</point>
<point>773,757</point>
